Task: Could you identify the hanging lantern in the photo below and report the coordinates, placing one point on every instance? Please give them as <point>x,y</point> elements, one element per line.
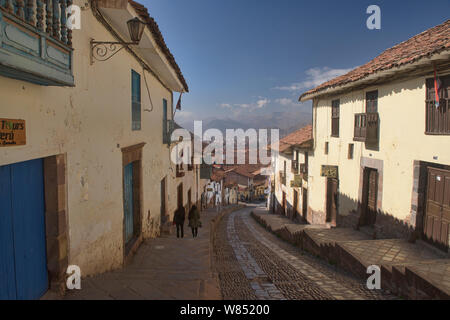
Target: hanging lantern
<point>135,28</point>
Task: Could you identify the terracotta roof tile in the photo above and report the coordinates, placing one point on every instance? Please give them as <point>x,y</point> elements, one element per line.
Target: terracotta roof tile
<point>154,29</point>
<point>297,137</point>
<point>429,42</point>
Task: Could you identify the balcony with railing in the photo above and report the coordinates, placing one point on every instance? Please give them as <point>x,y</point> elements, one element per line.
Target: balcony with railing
<point>366,127</point>
<point>35,43</point>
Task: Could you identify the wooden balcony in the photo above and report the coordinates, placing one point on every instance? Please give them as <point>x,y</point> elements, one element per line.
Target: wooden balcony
<point>366,127</point>
<point>35,43</point>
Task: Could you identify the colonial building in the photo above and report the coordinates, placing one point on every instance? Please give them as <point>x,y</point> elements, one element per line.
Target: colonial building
<point>188,182</point>
<point>290,167</point>
<point>84,155</point>
<point>381,156</point>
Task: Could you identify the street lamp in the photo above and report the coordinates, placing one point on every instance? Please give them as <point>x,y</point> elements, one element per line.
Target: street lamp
<point>104,50</point>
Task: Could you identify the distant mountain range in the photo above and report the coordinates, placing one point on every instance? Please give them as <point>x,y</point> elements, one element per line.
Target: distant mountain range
<point>285,121</point>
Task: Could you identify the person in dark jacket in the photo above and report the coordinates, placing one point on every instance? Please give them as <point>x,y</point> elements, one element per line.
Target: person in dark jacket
<point>178,219</point>
<point>194,220</point>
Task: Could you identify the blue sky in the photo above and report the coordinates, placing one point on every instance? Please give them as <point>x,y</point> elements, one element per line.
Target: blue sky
<point>247,57</point>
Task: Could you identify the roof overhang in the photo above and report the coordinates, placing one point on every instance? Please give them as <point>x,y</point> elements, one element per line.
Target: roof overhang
<point>117,13</point>
<point>417,68</point>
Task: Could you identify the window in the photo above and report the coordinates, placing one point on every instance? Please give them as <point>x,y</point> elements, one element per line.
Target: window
<point>164,124</point>
<point>372,101</point>
<point>135,101</point>
<point>351,147</point>
<point>438,116</point>
<point>326,147</point>
<point>335,118</point>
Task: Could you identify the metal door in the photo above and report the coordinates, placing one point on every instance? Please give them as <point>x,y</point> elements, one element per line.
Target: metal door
<point>128,202</point>
<point>437,216</point>
<point>23,260</point>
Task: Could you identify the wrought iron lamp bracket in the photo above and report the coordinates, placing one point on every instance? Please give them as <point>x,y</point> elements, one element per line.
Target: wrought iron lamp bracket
<point>105,50</point>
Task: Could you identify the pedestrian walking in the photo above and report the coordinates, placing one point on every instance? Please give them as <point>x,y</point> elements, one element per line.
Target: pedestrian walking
<point>178,219</point>
<point>194,220</point>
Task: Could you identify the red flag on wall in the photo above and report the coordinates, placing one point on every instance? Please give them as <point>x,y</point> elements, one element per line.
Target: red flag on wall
<point>437,84</point>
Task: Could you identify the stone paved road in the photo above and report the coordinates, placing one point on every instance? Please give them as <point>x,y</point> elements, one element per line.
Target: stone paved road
<point>164,268</point>
<point>254,264</point>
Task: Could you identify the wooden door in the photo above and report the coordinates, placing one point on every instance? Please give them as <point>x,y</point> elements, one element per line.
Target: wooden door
<point>295,211</point>
<point>332,196</point>
<point>369,201</point>
<point>23,259</point>
<point>437,215</point>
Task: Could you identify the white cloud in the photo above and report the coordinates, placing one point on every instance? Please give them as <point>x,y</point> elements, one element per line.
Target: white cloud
<point>262,102</point>
<point>286,102</point>
<point>242,105</point>
<point>315,77</point>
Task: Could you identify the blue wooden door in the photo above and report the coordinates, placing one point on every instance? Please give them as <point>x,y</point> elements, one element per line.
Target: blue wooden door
<point>7,265</point>
<point>23,247</point>
<point>128,202</point>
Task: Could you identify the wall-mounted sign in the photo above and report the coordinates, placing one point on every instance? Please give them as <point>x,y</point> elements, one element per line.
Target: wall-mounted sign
<point>12,132</point>
<point>329,171</point>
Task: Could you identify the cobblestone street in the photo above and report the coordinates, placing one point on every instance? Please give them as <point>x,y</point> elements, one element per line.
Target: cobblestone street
<point>254,264</point>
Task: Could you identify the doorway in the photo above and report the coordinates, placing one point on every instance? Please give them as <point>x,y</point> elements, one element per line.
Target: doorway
<point>369,199</point>
<point>23,258</point>
<point>189,200</point>
<point>332,198</point>
<point>180,195</point>
<point>295,211</point>
<point>163,201</point>
<point>437,212</point>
